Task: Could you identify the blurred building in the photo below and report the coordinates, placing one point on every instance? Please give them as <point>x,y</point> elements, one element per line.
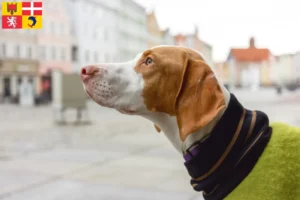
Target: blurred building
<point>132,27</point>
<point>94,31</point>
<point>222,71</point>
<point>193,41</point>
<point>15,66</point>
<point>282,71</point>
<point>250,67</point>
<point>18,60</point>
<point>155,35</point>
<point>168,39</point>
<point>54,43</point>
<point>106,31</point>
<point>296,67</point>
<point>34,53</point>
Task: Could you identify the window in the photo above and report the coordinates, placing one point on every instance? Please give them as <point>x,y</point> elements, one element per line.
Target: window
<point>29,52</point>
<point>63,54</point>
<point>95,34</point>
<point>3,50</point>
<point>19,80</point>
<point>45,26</point>
<point>87,56</point>
<point>105,35</point>
<point>74,53</point>
<point>85,29</point>
<point>53,53</point>
<point>52,27</point>
<point>96,57</point>
<point>17,51</point>
<point>106,59</point>
<point>62,29</point>
<point>42,52</point>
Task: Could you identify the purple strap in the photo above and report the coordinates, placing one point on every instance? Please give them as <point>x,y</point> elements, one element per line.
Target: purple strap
<point>191,153</point>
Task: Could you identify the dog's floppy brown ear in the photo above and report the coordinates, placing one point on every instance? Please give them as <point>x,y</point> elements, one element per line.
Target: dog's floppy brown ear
<point>200,97</point>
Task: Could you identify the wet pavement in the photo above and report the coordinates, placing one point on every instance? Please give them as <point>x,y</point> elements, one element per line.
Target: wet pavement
<point>116,157</point>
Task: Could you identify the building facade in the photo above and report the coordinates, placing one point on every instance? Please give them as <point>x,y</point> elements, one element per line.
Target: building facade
<point>33,53</point>
<point>282,71</point>
<point>75,33</point>
<point>54,39</point>
<point>168,39</point>
<point>94,32</point>
<point>192,41</point>
<point>18,60</point>
<point>54,44</point>
<point>132,26</point>
<point>250,67</point>
<point>155,35</point>
<point>222,71</point>
<point>106,31</point>
<point>296,67</point>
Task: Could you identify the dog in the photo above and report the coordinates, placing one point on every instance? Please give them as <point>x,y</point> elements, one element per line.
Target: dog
<point>230,152</point>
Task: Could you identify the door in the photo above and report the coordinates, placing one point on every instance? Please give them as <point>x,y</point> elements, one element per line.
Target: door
<point>255,76</point>
<point>7,87</point>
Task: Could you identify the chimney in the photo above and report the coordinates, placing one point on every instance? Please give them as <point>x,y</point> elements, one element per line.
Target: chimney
<point>252,43</point>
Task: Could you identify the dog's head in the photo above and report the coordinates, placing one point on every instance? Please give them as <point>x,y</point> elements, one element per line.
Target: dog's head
<point>166,79</point>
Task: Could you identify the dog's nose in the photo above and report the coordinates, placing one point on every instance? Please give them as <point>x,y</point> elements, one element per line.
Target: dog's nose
<point>87,72</point>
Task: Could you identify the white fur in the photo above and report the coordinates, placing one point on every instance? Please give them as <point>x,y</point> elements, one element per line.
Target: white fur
<point>124,87</point>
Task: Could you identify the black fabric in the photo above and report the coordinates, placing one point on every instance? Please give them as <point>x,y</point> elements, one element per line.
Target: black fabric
<point>228,175</point>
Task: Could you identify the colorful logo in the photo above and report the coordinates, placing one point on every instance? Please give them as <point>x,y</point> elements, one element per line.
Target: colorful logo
<point>11,7</point>
<point>33,19</point>
<point>22,15</point>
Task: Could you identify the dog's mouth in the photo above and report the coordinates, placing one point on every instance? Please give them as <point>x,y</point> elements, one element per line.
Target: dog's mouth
<point>87,92</point>
<point>126,111</point>
<point>121,110</point>
<point>97,100</point>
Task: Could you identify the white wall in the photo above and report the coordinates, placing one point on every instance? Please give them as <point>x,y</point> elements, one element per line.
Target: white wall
<point>296,66</point>
<point>168,39</point>
<point>132,23</point>
<point>114,30</point>
<point>282,69</point>
<point>22,44</point>
<point>94,30</point>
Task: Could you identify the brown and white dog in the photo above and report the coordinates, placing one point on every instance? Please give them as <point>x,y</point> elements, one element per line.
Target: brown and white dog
<point>221,141</point>
<point>163,84</point>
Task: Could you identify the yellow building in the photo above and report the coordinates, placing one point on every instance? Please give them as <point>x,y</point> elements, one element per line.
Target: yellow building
<point>155,35</point>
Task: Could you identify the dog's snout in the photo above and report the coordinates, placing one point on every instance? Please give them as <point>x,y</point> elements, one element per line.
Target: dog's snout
<point>89,71</point>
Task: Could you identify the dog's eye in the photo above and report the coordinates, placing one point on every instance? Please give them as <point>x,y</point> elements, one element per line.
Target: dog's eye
<point>149,61</point>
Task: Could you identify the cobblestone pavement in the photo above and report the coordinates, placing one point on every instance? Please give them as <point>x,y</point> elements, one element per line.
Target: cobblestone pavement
<point>116,157</point>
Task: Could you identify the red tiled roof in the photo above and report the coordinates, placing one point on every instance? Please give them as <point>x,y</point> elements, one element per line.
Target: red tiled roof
<point>250,54</point>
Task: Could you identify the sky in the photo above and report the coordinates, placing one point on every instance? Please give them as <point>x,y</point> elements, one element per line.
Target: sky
<point>275,24</point>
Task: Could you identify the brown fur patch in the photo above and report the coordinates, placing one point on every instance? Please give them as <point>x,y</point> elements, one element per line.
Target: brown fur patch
<point>181,84</point>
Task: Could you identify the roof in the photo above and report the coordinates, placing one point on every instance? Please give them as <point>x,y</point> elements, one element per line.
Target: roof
<point>184,37</point>
<point>250,54</point>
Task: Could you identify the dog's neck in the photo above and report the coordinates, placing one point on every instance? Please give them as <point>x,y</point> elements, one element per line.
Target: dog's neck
<point>168,124</point>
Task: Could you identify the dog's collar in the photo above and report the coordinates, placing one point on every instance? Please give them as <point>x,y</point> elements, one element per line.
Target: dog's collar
<point>193,150</point>
<point>239,137</point>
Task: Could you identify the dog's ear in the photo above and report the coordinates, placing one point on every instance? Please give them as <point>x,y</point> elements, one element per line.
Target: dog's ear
<point>199,99</point>
<point>157,128</point>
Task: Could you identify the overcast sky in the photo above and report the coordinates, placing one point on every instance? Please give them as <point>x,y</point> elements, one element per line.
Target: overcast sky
<point>275,24</point>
